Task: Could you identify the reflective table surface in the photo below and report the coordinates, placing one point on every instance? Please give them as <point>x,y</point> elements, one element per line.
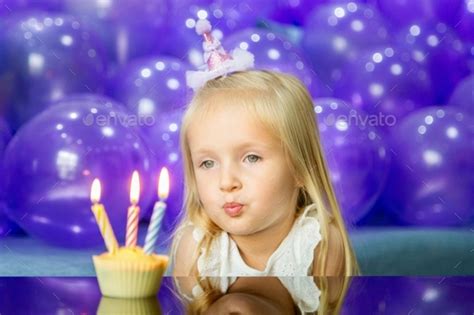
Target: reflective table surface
<point>246,295</point>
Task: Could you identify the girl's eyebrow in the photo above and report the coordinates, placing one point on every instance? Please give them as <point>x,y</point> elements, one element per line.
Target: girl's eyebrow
<point>245,145</point>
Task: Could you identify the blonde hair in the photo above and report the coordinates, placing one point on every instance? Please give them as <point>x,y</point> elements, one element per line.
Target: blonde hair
<point>283,105</point>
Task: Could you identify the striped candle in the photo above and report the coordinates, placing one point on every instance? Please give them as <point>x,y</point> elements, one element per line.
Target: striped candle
<point>105,227</point>
<point>158,212</point>
<point>154,226</point>
<point>132,226</point>
<point>133,212</point>
<point>102,219</point>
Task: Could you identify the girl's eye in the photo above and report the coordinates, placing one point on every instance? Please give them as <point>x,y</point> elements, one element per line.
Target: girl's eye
<point>252,158</point>
<point>207,164</point>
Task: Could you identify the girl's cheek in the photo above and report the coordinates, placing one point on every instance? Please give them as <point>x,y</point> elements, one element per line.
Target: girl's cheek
<point>205,181</point>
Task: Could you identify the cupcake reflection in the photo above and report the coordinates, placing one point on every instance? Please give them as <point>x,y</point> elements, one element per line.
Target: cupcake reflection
<point>262,295</point>
<point>148,306</point>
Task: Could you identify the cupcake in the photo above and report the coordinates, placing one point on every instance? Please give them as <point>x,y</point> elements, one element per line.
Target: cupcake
<point>129,272</point>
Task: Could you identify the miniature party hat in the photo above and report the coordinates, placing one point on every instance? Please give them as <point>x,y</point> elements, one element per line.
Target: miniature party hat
<point>217,61</point>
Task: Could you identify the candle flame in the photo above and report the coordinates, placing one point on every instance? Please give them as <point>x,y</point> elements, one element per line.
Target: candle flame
<point>164,183</point>
<point>135,188</point>
<point>95,191</point>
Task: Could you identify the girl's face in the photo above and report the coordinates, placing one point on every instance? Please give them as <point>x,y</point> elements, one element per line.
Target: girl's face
<point>244,181</point>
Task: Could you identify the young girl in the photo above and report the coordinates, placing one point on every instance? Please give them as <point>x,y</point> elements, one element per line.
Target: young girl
<point>258,198</point>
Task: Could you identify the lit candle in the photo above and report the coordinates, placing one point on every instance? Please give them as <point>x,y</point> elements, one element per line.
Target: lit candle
<point>102,218</point>
<point>158,212</point>
<point>133,211</point>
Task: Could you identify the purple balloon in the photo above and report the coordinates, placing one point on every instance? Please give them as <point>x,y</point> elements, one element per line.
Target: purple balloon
<point>163,140</point>
<point>239,15</point>
<point>5,136</point>
<point>12,7</point>
<point>226,17</point>
<point>275,52</point>
<point>438,49</point>
<point>294,12</point>
<point>51,163</point>
<point>431,179</point>
<point>463,95</point>
<point>129,28</point>
<point>470,55</point>
<point>151,86</point>
<point>4,89</point>
<point>357,157</point>
<point>403,12</point>
<point>91,98</point>
<point>49,56</point>
<point>465,24</point>
<point>6,226</point>
<point>336,33</point>
<point>386,81</point>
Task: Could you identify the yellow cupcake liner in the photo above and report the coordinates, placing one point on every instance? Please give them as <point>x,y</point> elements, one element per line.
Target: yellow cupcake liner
<point>114,306</point>
<point>122,278</point>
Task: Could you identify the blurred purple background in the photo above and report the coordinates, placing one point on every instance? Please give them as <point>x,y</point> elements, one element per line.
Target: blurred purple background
<point>96,89</point>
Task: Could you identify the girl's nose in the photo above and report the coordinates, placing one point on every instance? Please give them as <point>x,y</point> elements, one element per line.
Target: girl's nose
<point>229,180</point>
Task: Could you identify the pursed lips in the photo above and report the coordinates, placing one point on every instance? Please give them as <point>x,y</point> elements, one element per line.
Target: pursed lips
<point>233,209</point>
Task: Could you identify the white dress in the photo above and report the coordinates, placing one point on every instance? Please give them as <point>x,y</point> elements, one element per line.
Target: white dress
<point>292,261</point>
